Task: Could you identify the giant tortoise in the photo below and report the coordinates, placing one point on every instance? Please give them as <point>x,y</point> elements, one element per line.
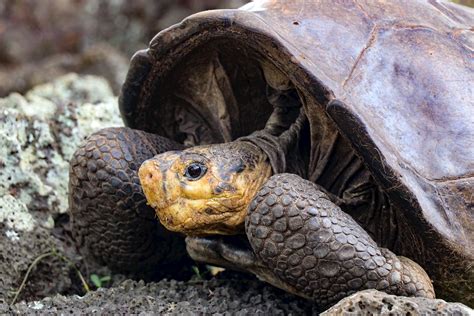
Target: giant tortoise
<point>307,142</point>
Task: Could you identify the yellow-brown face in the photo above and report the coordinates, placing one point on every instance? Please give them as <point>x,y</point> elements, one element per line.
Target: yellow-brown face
<point>204,190</point>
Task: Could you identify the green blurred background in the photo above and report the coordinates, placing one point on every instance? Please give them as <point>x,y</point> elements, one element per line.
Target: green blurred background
<point>469,3</point>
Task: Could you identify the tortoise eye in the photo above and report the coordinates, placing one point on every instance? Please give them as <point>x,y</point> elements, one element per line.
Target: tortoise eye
<point>195,171</point>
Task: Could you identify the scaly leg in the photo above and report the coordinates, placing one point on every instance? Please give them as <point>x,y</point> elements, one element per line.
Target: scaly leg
<point>320,251</point>
<point>300,241</point>
<point>111,220</point>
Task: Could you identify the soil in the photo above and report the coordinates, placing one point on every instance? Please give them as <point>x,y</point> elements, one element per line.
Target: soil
<point>227,295</point>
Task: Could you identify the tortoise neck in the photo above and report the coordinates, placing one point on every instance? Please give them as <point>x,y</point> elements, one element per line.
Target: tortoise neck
<point>278,147</point>
<point>272,148</point>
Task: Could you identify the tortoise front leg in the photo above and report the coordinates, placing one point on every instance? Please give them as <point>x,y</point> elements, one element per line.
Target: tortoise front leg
<point>111,221</point>
<point>315,248</point>
<point>236,254</point>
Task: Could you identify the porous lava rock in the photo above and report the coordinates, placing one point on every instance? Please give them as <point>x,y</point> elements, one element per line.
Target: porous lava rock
<point>373,302</point>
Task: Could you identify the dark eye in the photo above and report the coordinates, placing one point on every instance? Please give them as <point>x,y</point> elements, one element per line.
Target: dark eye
<point>195,171</point>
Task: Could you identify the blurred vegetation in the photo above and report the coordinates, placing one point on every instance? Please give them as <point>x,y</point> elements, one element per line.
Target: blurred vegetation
<point>469,3</point>
<point>42,40</point>
<point>100,281</point>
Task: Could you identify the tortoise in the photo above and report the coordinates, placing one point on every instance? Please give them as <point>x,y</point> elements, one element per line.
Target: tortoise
<point>307,143</point>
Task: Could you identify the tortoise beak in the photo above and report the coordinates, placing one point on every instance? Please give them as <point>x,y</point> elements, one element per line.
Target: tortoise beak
<point>151,179</point>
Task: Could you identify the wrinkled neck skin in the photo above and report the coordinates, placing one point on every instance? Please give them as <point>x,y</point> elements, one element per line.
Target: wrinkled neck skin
<point>276,143</point>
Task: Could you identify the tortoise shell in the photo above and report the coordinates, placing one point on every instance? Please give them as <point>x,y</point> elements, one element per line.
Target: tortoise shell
<point>390,81</point>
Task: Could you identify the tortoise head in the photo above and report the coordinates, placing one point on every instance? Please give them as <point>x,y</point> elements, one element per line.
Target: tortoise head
<point>206,189</point>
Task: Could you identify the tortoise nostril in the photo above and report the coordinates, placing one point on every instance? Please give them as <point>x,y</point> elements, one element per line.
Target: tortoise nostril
<point>148,174</point>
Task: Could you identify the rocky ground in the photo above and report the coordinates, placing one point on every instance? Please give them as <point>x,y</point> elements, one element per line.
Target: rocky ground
<point>217,296</point>
<point>41,271</point>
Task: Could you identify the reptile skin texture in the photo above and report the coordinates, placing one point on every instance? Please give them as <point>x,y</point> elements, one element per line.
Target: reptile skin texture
<point>111,220</point>
<point>320,251</point>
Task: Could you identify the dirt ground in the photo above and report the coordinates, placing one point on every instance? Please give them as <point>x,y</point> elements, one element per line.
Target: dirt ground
<point>231,295</point>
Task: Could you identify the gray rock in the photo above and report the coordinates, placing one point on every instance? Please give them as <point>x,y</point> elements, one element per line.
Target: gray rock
<point>373,302</point>
<point>168,297</point>
<point>38,134</point>
<point>41,130</point>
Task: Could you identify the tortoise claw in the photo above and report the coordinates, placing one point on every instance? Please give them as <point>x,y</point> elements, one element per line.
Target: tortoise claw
<point>234,253</point>
<point>229,252</point>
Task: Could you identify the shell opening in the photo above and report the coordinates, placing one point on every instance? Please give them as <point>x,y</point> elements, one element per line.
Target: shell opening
<point>216,86</point>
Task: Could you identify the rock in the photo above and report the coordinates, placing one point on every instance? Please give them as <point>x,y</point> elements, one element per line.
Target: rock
<point>235,296</point>
<point>41,130</point>
<point>373,302</point>
<point>38,135</point>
